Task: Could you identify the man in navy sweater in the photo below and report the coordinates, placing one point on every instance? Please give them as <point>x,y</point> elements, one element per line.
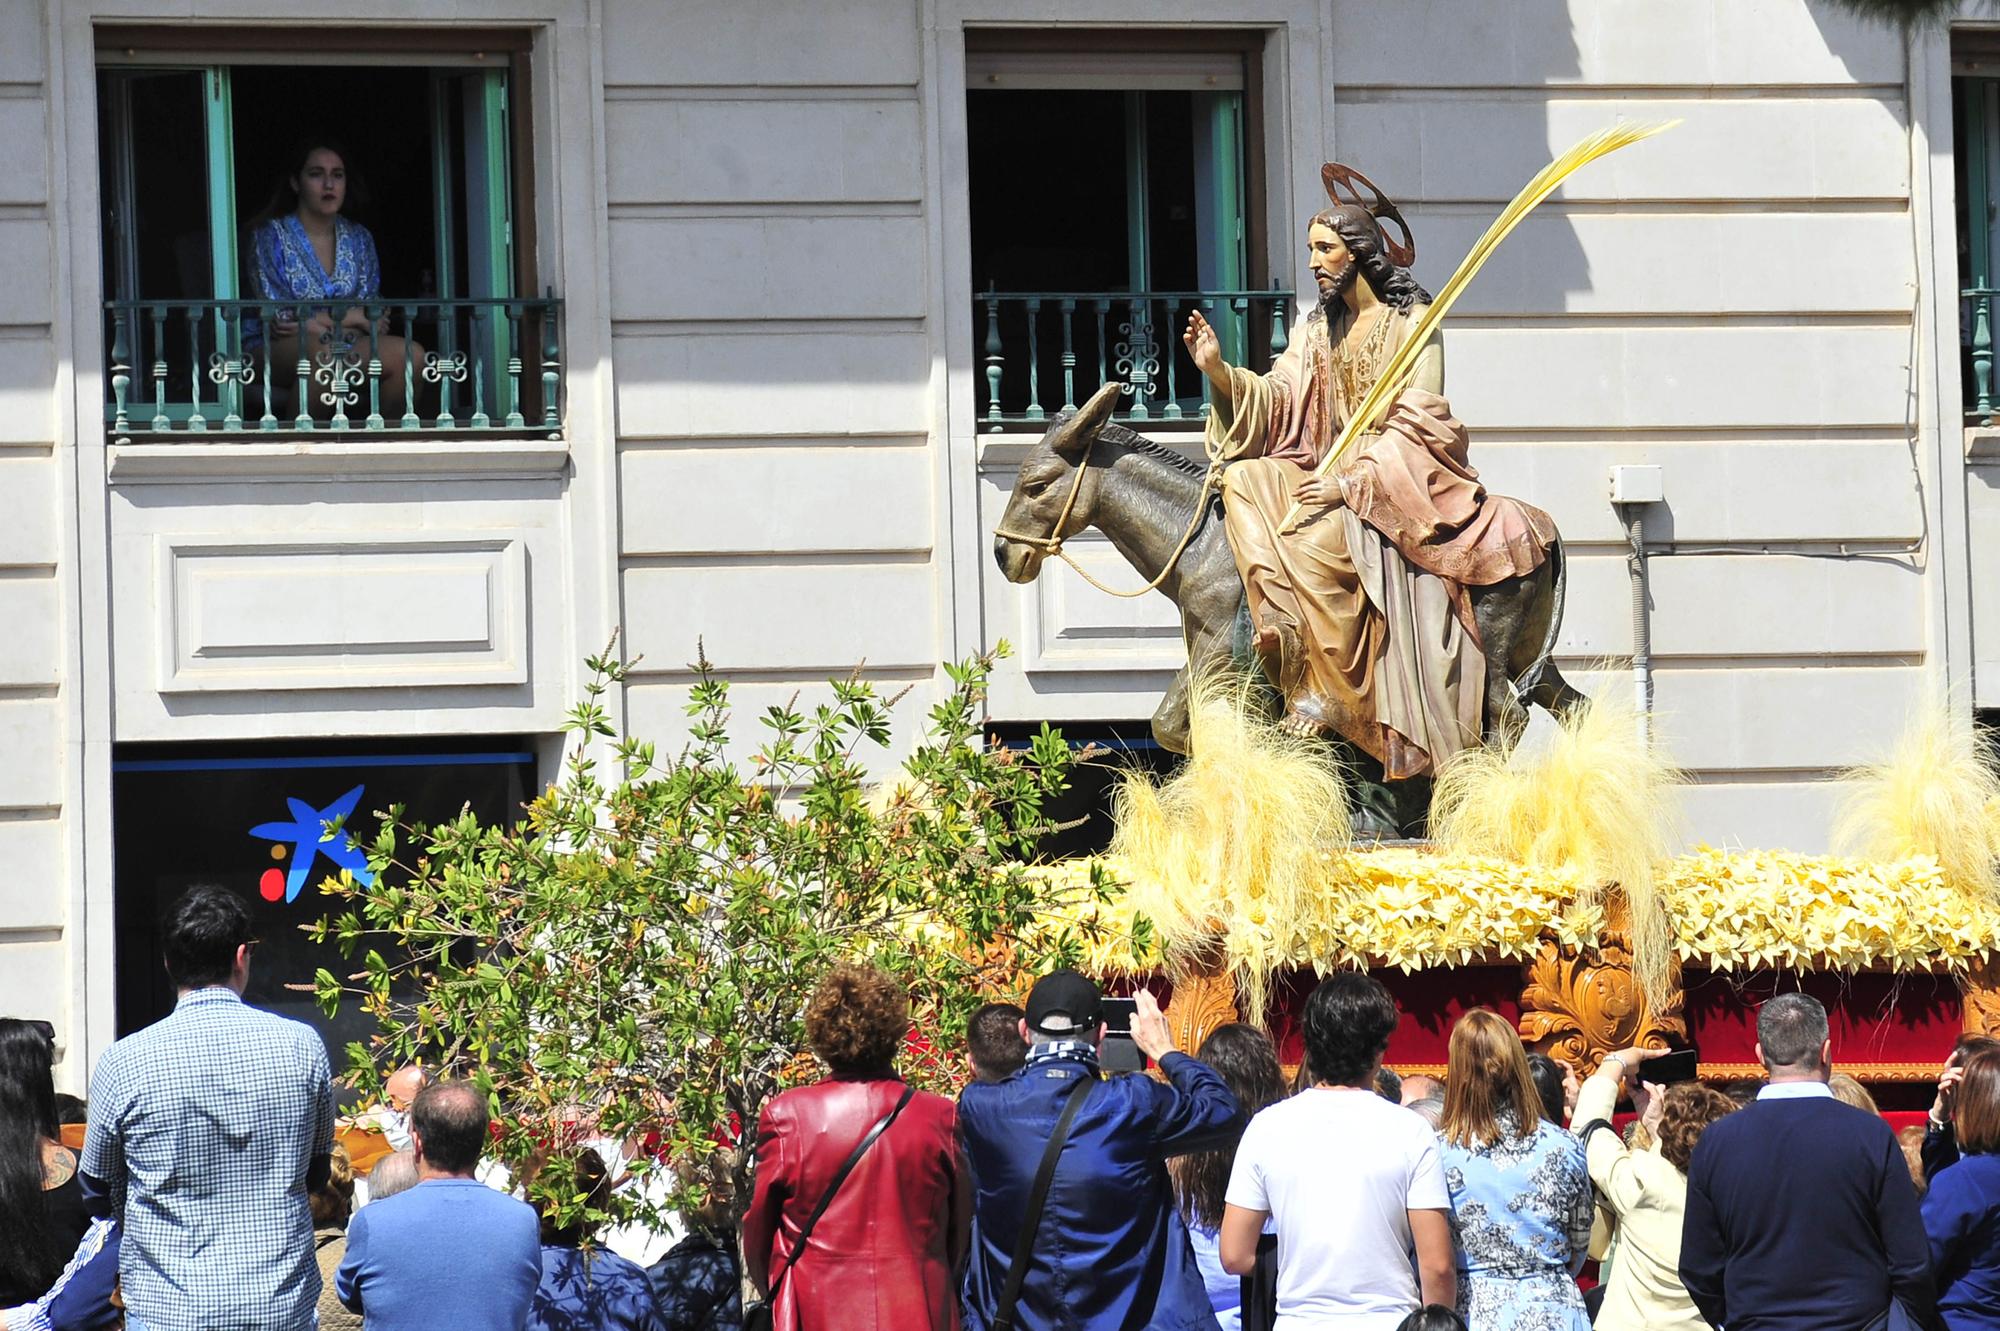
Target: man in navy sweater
<point>1800,1211</point>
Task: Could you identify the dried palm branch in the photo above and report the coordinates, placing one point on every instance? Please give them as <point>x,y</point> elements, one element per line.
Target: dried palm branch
<point>1592,798</point>
<point>1937,793</point>
<point>1232,850</point>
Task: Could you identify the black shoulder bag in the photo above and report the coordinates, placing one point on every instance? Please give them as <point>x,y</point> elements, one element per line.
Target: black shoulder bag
<point>757,1317</point>
<point>1038,1200</point>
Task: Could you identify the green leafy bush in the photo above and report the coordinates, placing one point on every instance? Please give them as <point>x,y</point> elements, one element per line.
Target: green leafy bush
<point>631,959</point>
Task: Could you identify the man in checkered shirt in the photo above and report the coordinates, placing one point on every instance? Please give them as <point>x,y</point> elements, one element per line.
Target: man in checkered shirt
<point>207,1129</point>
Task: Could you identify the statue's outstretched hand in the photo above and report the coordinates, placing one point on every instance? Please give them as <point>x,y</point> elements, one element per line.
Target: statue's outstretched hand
<point>1204,347</point>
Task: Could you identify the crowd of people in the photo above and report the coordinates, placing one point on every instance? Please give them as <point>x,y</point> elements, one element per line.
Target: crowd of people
<point>1215,1196</point>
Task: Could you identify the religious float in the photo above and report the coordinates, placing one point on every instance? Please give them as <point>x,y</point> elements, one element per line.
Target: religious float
<point>1367,628</point>
<point>1548,895</point>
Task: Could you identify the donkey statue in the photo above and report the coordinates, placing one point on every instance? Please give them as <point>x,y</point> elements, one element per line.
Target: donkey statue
<point>1088,472</point>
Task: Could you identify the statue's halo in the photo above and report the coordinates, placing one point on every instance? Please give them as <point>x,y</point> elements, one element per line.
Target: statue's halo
<point>1338,178</point>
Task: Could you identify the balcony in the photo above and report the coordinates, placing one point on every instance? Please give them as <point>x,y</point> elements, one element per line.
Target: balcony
<point>203,370</point>
<point>1043,352</point>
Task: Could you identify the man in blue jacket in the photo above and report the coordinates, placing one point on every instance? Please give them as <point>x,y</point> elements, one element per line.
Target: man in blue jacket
<point>1800,1212</point>
<point>1110,1252</point>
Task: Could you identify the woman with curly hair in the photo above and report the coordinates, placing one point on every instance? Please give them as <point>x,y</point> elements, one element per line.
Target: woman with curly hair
<point>1520,1191</point>
<point>883,1255</point>
<point>1645,1189</point>
<point>1248,1062</point>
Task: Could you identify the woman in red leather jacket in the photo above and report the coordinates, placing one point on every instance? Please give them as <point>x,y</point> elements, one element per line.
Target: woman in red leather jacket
<point>885,1255</point>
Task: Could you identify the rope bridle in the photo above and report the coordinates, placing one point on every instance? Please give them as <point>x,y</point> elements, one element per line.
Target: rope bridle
<point>1052,544</point>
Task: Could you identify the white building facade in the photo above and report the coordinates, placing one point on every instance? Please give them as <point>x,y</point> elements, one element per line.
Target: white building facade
<point>762,265</point>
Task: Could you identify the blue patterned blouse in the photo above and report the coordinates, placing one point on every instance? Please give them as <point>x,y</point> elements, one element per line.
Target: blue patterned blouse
<point>600,1291</point>
<point>1520,1219</point>
<point>288,269</point>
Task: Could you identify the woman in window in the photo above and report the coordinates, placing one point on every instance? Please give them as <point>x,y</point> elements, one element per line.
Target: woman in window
<point>305,252</point>
<point>1520,1188</point>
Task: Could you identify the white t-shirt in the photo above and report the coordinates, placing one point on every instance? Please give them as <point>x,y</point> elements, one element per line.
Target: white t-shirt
<point>1340,1171</point>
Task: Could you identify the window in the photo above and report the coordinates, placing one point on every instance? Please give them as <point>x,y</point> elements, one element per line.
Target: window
<point>194,147</point>
<point>1112,190</point>
<point>1976,130</point>
<point>230,815</point>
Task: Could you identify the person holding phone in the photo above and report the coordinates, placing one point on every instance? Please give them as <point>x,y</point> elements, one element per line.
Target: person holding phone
<point>1074,1218</point>
<point>1645,1190</point>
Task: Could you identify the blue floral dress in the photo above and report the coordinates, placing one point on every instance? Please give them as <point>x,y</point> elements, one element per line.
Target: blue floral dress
<point>1520,1218</point>
<point>288,269</point>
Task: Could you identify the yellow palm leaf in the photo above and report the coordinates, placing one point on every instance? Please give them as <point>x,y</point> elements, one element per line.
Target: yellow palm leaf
<point>1396,374</point>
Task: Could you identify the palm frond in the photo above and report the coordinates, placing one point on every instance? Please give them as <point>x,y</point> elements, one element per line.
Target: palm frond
<point>1396,374</point>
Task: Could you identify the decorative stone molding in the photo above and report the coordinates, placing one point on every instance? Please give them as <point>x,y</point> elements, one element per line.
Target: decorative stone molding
<point>1579,1006</point>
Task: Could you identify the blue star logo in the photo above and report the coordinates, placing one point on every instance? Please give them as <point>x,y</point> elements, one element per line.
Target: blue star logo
<point>315,832</point>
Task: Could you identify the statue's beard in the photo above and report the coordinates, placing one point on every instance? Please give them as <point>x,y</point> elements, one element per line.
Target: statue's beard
<point>1336,291</point>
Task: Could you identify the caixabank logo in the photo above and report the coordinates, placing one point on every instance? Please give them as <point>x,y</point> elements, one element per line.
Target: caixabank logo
<point>311,834</point>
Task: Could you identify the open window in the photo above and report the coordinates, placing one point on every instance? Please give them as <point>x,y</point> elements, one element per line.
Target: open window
<point>194,146</point>
<point>1975,67</point>
<point>1114,186</point>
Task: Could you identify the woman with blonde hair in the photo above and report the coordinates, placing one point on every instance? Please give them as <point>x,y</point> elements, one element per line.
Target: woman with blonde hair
<point>1851,1092</point>
<point>1645,1188</point>
<point>1520,1189</point>
<point>332,1204</point>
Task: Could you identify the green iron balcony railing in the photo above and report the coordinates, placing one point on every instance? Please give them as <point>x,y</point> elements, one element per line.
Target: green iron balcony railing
<point>1976,315</point>
<point>192,367</point>
<point>1978,122</point>
<point>1046,351</point>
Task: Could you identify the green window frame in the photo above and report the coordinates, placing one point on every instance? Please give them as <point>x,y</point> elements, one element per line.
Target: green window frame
<point>482,186</point>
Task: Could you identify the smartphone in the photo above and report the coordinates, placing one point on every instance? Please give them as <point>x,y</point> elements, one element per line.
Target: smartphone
<point>1118,1053</point>
<point>1116,1014</point>
<point>1667,1069</point>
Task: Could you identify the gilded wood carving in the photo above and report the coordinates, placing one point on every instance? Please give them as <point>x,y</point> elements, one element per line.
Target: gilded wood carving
<point>1579,1006</point>
<point>1200,1003</point>
<point>1982,998</point>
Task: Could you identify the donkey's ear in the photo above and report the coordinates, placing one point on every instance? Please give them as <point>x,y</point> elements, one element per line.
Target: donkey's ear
<point>1081,428</point>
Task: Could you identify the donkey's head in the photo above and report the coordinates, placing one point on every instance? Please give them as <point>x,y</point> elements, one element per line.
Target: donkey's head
<point>1053,469</point>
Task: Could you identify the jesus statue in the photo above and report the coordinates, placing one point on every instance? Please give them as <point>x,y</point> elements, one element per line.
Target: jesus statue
<point>1360,607</point>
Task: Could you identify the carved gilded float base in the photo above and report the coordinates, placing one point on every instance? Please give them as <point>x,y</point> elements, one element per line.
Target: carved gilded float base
<point>1578,1006</point>
<point>1199,1003</point>
<point>1982,998</point>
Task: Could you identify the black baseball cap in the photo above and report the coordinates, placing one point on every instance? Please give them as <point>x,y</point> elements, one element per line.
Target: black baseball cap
<point>1064,1002</point>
